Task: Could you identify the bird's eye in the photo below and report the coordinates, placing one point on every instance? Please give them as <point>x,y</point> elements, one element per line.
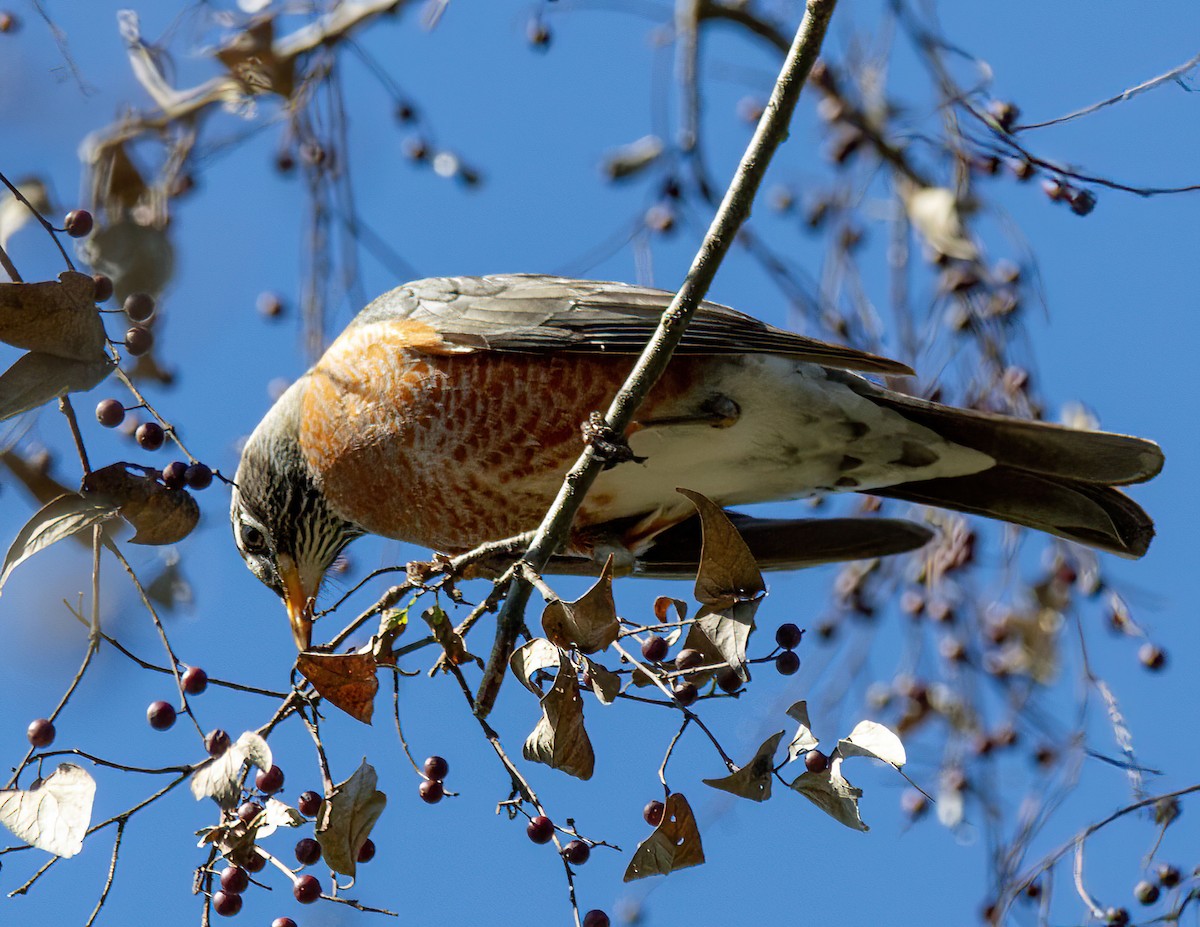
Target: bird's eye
<point>253,540</point>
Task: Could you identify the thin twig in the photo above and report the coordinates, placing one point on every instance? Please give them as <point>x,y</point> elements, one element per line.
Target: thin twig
<point>112,871</point>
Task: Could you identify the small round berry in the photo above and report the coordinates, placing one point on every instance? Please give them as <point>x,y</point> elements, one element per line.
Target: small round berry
<point>198,476</point>
<point>416,148</point>
<point>1152,656</point>
<point>577,852</point>
<point>1145,892</point>
<point>1055,190</point>
<point>815,761</point>
<point>1021,169</point>
<point>78,223</point>
<point>216,742</point>
<point>660,218</point>
<point>1168,876</point>
<point>366,852</point>
<point>655,648</point>
<point>309,804</point>
<point>254,862</point>
<point>270,305</point>
<point>788,636</point>
<point>1004,113</point>
<point>436,767</point>
<point>1082,202</point>
<point>139,307</point>
<point>161,715</point>
<point>787,663</point>
<point>308,851</point>
<point>174,474</point>
<point>431,791</point>
<point>226,904</point>
<point>269,781</point>
<point>729,681</point>
<point>8,23</point>
<point>1117,917</point>
<point>283,922</point>
<point>540,829</point>
<point>194,679</point>
<point>688,658</point>
<point>235,879</point>
<point>110,413</point>
<point>285,162</point>
<point>405,111</point>
<point>40,732</point>
<point>150,436</point>
<point>685,693</point>
<point>248,811</point>
<point>306,889</point>
<point>138,340</point>
<point>653,813</point>
<point>538,33</point>
<point>103,287</point>
<point>913,803</point>
<point>595,918</point>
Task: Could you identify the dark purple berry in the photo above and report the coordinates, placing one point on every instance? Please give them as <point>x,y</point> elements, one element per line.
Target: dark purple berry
<point>540,829</point>
<point>110,413</point>
<point>283,922</point>
<point>1145,892</point>
<point>138,340</point>
<point>787,663</point>
<point>538,33</point>
<point>729,681</point>
<point>655,648</point>
<point>161,715</point>
<point>78,223</point>
<point>40,732</point>
<point>1082,202</point>
<point>653,813</point>
<point>577,852</point>
<point>788,636</point>
<point>235,879</point>
<point>150,436</point>
<point>306,889</point>
<point>815,761</point>
<point>685,693</point>
<point>366,852</point>
<point>269,305</point>
<point>253,862</point>
<point>436,767</point>
<point>688,658</point>
<point>216,742</point>
<point>103,288</point>
<point>198,476</point>
<point>431,791</point>
<point>248,811</point>
<point>139,307</point>
<point>174,474</point>
<point>195,680</point>
<point>1152,656</point>
<point>308,851</point>
<point>8,23</point>
<point>595,918</point>
<point>226,904</point>
<point>309,804</point>
<point>269,781</point>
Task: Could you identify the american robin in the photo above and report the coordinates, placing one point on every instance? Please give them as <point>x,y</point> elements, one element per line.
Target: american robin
<point>449,409</point>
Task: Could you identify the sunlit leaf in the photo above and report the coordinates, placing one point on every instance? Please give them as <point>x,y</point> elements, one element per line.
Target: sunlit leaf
<point>590,622</point>
<point>753,780</point>
<point>560,740</point>
<point>54,815</point>
<point>675,843</point>
<point>219,780</point>
<point>830,792</point>
<point>728,573</point>
<point>14,214</point>
<point>57,317</point>
<point>61,518</point>
<point>528,659</point>
<point>605,683</point>
<point>729,631</point>
<point>804,739</point>
<point>347,816</point>
<point>936,215</point>
<point>872,739</point>
<point>346,680</point>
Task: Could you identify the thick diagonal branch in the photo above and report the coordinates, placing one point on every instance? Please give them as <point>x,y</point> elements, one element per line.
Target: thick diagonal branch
<point>733,211</point>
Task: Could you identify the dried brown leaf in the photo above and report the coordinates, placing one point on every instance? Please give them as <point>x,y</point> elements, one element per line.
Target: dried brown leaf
<point>833,794</point>
<point>532,657</point>
<point>753,780</point>
<point>560,740</point>
<point>443,632</point>
<point>61,518</point>
<point>590,622</point>
<point>633,158</point>
<point>346,680</point>
<point>804,739</point>
<point>57,317</point>
<point>36,378</point>
<point>605,683</point>
<point>663,606</point>
<point>220,779</point>
<point>251,60</point>
<point>729,631</point>
<point>138,258</point>
<point>160,515</point>
<point>870,738</point>
<point>675,843</point>
<point>347,816</point>
<point>53,816</point>
<point>728,573</point>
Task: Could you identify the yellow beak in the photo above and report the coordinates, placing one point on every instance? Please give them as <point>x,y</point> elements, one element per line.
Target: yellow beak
<point>297,600</point>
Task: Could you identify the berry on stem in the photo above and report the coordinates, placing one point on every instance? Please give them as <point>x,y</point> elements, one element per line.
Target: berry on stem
<point>138,340</point>
<point>283,922</point>
<point>110,413</point>
<point>431,791</point>
<point>226,904</point>
<point>688,658</point>
<point>577,852</point>
<point>309,804</point>
<point>436,767</point>
<point>150,436</point>
<point>174,474</point>
<point>194,679</point>
<point>235,879</point>
<point>655,648</point>
<point>254,862</point>
<point>540,829</point>
<point>595,918</point>
<point>788,636</point>
<point>653,813</point>
<point>198,476</point>
<point>249,810</point>
<point>308,851</point>
<point>103,287</point>
<point>685,693</point>
<point>78,223</point>
<point>161,715</point>
<point>306,889</point>
<point>815,761</point>
<point>216,742</point>
<point>139,307</point>
<point>270,780</point>
<point>366,852</point>
<point>787,663</point>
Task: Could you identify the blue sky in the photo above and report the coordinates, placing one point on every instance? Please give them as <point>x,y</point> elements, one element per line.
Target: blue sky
<point>1119,334</point>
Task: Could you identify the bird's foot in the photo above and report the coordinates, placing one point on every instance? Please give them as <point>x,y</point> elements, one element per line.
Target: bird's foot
<point>606,443</point>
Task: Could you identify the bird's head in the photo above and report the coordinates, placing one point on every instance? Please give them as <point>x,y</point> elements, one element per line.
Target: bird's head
<point>284,527</point>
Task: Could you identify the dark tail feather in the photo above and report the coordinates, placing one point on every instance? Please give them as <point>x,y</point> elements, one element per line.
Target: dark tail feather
<point>1075,509</point>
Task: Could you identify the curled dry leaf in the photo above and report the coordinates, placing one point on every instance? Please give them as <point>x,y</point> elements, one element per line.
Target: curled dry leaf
<point>663,606</point>
<point>14,214</point>
<point>159,515</point>
<point>605,683</point>
<point>729,631</point>
<point>36,378</point>
<point>590,622</point>
<point>560,740</point>
<point>347,816</point>
<point>276,814</point>
<point>528,659</point>
<point>218,780</point>
<point>631,159</point>
<point>728,573</point>
<point>804,739</point>
<point>675,843</point>
<point>869,738</point>
<point>443,632</point>
<point>935,214</point>
<point>61,518</point>
<point>753,780</point>
<point>56,317</point>
<point>392,623</point>
<point>54,816</point>
<point>346,680</point>
<point>832,793</point>
<point>252,62</point>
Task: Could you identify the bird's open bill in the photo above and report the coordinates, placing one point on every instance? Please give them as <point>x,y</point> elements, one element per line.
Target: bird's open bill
<point>299,603</point>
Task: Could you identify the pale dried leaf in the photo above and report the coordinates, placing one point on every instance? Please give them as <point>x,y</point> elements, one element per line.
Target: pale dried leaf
<point>276,814</point>
<point>728,572</point>
<point>37,378</point>
<point>729,631</point>
<point>138,258</point>
<point>57,317</point>
<point>61,518</point>
<point>443,632</point>
<point>950,807</point>
<point>804,739</point>
<point>830,792</point>
<point>605,683</point>
<point>347,817</point>
<point>252,62</point>
<point>560,740</point>
<point>159,515</point>
<point>869,738</point>
<point>674,844</point>
<point>145,61</point>
<point>529,659</point>
<point>219,779</point>
<point>633,158</point>
<point>753,780</point>
<point>346,680</point>
<point>54,816</point>
<point>935,214</point>
<point>14,214</point>
<point>590,622</point>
